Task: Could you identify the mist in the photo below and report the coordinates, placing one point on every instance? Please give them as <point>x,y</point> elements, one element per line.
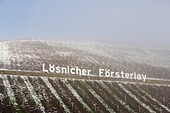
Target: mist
<point>132,22</point>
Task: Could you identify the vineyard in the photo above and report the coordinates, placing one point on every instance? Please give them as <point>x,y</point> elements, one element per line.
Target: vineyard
<point>30,55</point>
<point>25,88</point>
<point>38,94</point>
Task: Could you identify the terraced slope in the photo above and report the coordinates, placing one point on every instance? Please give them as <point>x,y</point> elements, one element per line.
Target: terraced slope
<point>29,55</point>
<point>24,88</point>
<point>33,94</point>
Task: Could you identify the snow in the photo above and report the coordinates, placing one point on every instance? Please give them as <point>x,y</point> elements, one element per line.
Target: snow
<point>32,53</point>
<point>99,98</point>
<point>10,92</point>
<point>4,53</point>
<point>1,97</point>
<point>154,99</point>
<point>116,97</point>
<point>33,94</point>
<point>135,98</point>
<point>53,91</point>
<point>74,92</point>
<point>37,100</point>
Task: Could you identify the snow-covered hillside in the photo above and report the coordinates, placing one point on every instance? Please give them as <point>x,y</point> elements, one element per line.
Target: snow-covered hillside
<point>31,54</point>
<point>25,94</point>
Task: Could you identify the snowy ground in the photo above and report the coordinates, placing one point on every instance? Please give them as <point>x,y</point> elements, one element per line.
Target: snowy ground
<point>51,95</point>
<point>29,55</point>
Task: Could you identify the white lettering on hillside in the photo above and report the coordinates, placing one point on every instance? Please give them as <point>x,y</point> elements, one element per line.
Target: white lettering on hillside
<point>102,72</point>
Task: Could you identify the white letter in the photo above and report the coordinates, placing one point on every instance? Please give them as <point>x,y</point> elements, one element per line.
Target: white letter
<point>88,72</point>
<point>122,73</point>
<point>78,71</point>
<point>58,70</point>
<point>127,75</point>
<point>44,70</point>
<point>100,72</point>
<point>71,71</point>
<point>117,75</point>
<point>84,71</point>
<point>144,77</point>
<point>51,68</point>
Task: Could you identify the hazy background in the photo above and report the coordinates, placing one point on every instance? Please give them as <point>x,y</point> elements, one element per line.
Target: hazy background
<point>125,21</point>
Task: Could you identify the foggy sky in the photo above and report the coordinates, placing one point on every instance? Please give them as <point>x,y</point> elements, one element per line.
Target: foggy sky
<point>131,21</point>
